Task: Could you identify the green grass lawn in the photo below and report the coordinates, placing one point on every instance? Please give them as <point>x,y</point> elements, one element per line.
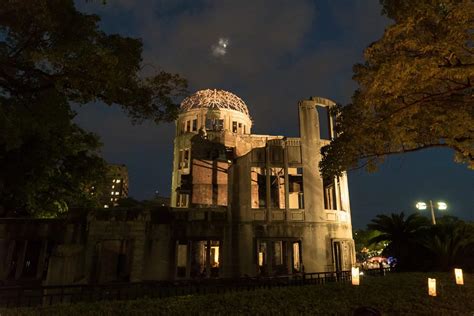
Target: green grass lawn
<point>394,294</point>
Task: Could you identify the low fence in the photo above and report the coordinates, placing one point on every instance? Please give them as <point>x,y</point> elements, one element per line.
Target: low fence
<point>15,296</point>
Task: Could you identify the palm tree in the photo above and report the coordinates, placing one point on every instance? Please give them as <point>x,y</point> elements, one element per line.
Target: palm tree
<point>401,233</point>
<point>449,243</point>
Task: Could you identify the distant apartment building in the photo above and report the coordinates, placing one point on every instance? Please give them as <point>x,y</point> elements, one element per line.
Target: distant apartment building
<point>116,187</point>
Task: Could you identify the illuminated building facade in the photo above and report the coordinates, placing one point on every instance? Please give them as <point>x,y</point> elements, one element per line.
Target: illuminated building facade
<point>281,216</point>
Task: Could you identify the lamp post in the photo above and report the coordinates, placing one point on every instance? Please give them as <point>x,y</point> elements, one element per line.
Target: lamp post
<point>440,205</point>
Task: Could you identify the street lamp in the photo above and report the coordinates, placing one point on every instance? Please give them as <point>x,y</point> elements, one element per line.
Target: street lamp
<point>440,206</point>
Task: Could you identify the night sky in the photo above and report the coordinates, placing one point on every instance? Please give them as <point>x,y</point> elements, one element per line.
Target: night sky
<point>278,52</point>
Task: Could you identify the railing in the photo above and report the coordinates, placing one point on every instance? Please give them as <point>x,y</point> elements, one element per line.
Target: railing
<point>15,296</point>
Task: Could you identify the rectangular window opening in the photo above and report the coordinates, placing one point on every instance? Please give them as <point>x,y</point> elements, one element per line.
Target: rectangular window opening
<point>182,259</point>
<point>329,194</point>
<point>276,154</point>
<point>296,257</point>
<point>296,193</point>
<point>262,257</point>
<point>258,187</point>
<point>188,126</point>
<point>277,188</point>
<point>214,124</point>
<point>184,156</point>
<point>324,123</point>
<point>182,200</point>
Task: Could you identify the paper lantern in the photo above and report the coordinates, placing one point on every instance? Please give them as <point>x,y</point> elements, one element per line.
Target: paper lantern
<point>431,287</point>
<point>458,275</point>
<point>355,276</point>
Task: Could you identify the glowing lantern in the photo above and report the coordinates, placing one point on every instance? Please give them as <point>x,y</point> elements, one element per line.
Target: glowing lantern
<point>431,287</point>
<point>458,275</point>
<point>355,276</point>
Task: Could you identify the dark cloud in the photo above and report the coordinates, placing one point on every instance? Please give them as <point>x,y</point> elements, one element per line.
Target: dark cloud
<point>279,52</point>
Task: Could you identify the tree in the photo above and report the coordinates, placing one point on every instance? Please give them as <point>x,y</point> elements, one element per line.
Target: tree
<point>415,88</point>
<point>364,248</point>
<point>450,244</point>
<point>401,234</point>
<point>52,56</point>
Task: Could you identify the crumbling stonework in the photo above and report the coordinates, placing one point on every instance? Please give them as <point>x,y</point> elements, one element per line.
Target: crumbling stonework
<point>241,205</point>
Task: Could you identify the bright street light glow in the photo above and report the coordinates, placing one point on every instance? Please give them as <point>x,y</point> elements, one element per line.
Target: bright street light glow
<point>421,205</point>
<point>442,206</point>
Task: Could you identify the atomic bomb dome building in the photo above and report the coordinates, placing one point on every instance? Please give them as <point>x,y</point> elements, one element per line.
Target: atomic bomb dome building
<point>241,205</point>
<point>266,208</point>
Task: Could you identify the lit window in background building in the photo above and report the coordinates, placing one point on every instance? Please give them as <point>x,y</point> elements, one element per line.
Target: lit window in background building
<point>118,181</point>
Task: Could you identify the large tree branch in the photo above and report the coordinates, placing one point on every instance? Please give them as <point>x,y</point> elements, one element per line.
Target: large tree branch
<point>404,150</point>
<point>426,98</point>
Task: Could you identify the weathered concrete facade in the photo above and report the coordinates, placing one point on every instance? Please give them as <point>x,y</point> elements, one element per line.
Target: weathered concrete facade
<point>241,205</point>
<point>281,216</point>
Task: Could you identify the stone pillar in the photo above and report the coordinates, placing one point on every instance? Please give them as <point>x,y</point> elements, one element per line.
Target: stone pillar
<point>316,243</point>
<point>21,260</point>
<point>310,148</point>
<point>139,235</point>
<point>42,259</point>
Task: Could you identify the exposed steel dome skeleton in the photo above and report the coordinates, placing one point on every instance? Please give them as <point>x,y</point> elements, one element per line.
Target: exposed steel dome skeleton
<point>214,99</point>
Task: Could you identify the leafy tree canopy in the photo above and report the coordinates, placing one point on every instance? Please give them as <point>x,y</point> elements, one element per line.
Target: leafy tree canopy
<point>52,56</point>
<point>415,88</point>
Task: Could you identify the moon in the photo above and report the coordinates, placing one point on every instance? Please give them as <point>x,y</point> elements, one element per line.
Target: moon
<point>219,49</point>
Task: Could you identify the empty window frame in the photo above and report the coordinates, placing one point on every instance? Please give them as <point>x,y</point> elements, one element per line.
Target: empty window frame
<point>234,127</point>
<point>339,193</point>
<point>182,200</point>
<point>296,189</point>
<point>258,187</point>
<point>262,253</point>
<point>258,154</point>
<point>277,188</point>
<point>278,257</point>
<point>184,158</point>
<point>214,124</point>
<point>198,258</point>
<point>188,126</point>
<point>181,260</point>
<point>194,125</point>
<point>325,123</point>
<point>214,257</point>
<point>276,154</point>
<point>329,194</point>
<point>219,125</point>
<point>296,257</point>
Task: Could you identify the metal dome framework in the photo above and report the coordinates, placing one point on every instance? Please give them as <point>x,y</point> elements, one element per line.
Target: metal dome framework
<point>214,99</point>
